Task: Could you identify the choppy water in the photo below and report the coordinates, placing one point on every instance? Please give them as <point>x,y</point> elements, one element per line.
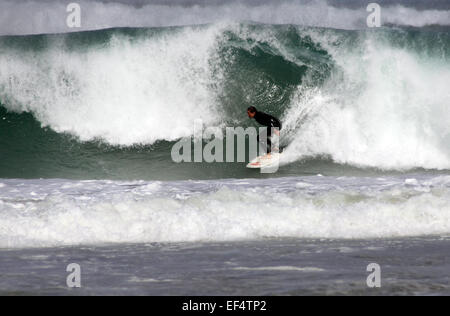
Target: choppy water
<point>409,266</point>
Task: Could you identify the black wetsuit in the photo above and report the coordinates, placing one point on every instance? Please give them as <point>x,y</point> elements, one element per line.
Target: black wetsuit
<point>270,122</point>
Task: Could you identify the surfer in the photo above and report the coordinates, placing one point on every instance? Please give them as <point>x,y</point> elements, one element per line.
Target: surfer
<point>272,123</point>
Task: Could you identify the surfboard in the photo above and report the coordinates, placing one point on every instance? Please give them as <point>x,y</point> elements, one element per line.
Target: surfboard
<point>264,161</point>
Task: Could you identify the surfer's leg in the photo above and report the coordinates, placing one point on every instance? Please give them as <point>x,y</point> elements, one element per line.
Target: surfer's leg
<point>265,145</point>
<point>269,140</point>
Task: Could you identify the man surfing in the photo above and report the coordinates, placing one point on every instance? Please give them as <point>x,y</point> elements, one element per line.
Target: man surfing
<point>268,121</point>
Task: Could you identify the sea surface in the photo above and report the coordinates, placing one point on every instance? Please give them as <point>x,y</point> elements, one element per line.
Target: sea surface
<point>88,121</point>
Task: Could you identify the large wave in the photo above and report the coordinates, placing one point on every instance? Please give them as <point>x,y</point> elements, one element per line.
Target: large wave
<point>123,91</point>
<point>366,98</point>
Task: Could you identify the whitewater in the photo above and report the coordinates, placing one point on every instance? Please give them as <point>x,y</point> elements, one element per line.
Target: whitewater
<point>52,213</point>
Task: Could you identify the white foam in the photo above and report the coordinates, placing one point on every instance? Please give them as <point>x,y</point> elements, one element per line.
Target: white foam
<point>411,182</point>
<point>387,108</point>
<point>125,93</point>
<point>108,212</point>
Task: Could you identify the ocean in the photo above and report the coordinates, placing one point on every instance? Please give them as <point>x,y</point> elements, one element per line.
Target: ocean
<point>88,120</point>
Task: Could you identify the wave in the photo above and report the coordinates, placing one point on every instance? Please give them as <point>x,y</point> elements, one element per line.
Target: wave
<point>48,213</point>
<point>131,87</point>
<point>34,17</point>
<point>384,108</point>
<point>364,98</point>
<point>124,92</point>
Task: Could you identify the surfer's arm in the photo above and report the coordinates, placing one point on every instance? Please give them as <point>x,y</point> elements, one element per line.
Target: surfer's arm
<point>269,121</point>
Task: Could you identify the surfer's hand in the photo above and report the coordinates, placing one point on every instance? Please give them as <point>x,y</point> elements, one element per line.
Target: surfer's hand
<point>277,132</point>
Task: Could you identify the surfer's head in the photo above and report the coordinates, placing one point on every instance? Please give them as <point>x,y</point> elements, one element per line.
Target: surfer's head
<point>251,111</point>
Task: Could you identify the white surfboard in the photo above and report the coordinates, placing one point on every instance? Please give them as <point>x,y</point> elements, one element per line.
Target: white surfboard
<point>264,161</point>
